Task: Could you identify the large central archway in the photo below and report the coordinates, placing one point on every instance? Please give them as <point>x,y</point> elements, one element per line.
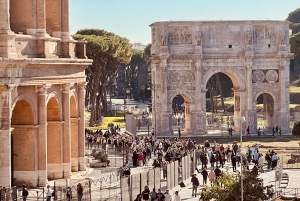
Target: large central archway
<point>185,55</point>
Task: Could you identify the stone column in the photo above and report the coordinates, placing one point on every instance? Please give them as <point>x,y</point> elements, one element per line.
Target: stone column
<point>4,16</point>
<point>66,131</point>
<point>251,112</point>
<point>41,28</point>
<point>42,136</point>
<point>5,136</point>
<point>81,130</point>
<point>65,33</point>
<point>7,37</point>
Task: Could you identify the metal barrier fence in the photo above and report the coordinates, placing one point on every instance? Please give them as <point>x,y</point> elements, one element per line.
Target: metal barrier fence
<point>290,192</point>
<point>114,186</point>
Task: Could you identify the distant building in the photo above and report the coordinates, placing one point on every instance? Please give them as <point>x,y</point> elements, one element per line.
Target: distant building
<point>138,46</point>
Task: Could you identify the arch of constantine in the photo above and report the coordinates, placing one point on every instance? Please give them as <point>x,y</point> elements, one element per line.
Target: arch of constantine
<point>255,55</point>
<point>42,93</point>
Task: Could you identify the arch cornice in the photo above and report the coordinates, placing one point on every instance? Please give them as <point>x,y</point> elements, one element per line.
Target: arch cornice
<point>237,75</point>
<point>29,101</point>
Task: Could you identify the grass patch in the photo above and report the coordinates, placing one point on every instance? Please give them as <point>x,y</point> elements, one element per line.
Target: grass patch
<point>107,120</point>
<point>86,112</point>
<point>294,89</point>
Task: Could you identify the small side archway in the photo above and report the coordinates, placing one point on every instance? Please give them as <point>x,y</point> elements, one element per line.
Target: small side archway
<point>266,107</point>
<point>181,113</point>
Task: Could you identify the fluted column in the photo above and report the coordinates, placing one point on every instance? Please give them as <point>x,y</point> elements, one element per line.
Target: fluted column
<point>42,136</point>
<point>81,134</point>
<point>5,136</point>
<point>66,131</point>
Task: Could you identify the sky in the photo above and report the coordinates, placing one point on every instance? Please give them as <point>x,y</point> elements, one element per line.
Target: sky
<point>131,18</point>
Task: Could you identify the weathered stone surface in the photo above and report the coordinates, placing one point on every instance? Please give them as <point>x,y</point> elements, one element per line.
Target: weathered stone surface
<point>42,93</point>
<point>254,54</point>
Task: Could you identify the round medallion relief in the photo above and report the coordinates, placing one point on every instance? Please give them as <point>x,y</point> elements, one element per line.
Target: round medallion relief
<point>271,76</point>
<point>258,76</point>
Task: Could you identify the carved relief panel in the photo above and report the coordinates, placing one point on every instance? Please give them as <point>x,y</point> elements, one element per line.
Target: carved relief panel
<point>181,80</point>
<point>180,35</point>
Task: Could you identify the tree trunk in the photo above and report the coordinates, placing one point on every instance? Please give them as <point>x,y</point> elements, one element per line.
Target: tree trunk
<point>220,90</point>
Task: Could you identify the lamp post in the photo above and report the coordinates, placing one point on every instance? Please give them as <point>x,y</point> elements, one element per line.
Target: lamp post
<point>240,121</point>
<point>124,110</point>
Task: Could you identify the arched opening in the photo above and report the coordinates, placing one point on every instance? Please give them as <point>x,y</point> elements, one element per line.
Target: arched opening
<point>265,113</point>
<point>74,135</point>
<point>24,145</point>
<point>180,113</point>
<point>54,140</point>
<point>221,101</point>
<point>22,15</point>
<point>53,21</point>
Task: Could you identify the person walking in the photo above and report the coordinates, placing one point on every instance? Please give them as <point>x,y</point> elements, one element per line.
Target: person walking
<point>217,173</point>
<point>79,191</point>
<point>14,194</point>
<point>176,197</point>
<point>205,175</point>
<point>195,183</point>
<point>146,193</point>
<point>212,176</point>
<point>167,196</point>
<point>153,195</point>
<point>160,196</point>
<point>24,192</point>
<point>69,193</point>
<point>49,193</point>
<point>233,162</point>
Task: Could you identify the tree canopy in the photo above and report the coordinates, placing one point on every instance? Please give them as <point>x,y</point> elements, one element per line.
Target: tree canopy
<point>294,18</point>
<point>231,187</point>
<point>108,51</point>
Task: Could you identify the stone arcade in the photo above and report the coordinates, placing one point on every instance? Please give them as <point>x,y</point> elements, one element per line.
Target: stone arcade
<point>254,54</point>
<point>42,93</point>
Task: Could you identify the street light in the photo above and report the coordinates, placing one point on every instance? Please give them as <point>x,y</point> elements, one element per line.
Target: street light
<point>240,120</point>
<point>124,110</point>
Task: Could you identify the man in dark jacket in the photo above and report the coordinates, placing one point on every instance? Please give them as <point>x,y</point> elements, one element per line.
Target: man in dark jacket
<point>205,175</point>
<point>195,182</point>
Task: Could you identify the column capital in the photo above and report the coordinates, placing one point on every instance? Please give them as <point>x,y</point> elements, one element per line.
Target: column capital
<point>81,85</point>
<point>6,88</point>
<point>42,89</point>
<point>65,87</point>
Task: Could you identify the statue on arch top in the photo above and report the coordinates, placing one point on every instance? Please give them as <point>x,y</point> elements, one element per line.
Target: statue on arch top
<point>198,39</point>
<point>164,37</point>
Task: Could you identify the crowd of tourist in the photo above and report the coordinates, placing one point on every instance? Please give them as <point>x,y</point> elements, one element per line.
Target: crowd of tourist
<point>211,158</point>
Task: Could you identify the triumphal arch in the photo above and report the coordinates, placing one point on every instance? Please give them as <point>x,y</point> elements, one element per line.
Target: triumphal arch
<point>254,54</point>
<point>42,83</point>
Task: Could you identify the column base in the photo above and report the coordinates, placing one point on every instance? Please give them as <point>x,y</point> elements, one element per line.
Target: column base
<point>42,179</point>
<point>67,170</point>
<point>81,164</point>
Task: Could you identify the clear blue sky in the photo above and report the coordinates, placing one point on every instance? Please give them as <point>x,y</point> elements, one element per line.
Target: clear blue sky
<point>131,18</point>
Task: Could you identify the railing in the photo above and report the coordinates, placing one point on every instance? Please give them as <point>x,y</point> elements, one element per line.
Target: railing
<point>290,192</point>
